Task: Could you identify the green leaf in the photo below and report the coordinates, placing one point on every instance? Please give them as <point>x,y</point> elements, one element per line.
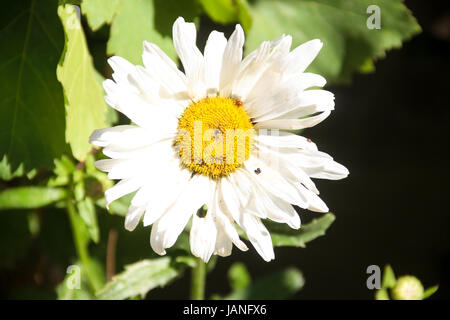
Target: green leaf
<point>340,24</point>
<point>381,294</point>
<point>99,12</point>
<point>277,286</point>
<point>64,168</point>
<point>430,291</point>
<point>6,173</point>
<point>389,279</point>
<point>139,278</point>
<point>151,20</point>
<point>283,235</point>
<point>228,11</point>
<point>239,276</point>
<point>86,209</point>
<point>85,105</point>
<point>31,104</point>
<point>30,197</point>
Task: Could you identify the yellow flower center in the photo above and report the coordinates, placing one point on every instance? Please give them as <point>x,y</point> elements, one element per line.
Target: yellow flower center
<point>215,136</point>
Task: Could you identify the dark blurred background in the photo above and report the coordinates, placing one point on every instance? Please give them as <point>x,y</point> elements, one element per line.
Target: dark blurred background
<point>390,128</point>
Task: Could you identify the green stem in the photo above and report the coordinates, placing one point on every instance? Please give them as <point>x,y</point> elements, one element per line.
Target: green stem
<point>81,245</point>
<point>198,280</point>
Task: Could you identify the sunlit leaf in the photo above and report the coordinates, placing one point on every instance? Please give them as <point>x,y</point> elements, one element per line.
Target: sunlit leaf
<point>32,119</point>
<point>430,291</point>
<point>389,279</point>
<point>30,197</point>
<point>85,105</point>
<point>340,24</point>
<point>228,11</point>
<point>139,278</point>
<point>151,20</point>
<point>99,12</point>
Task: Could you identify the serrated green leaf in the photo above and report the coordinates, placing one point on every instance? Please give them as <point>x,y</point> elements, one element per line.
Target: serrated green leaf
<point>85,105</point>
<point>228,11</point>
<point>99,12</point>
<point>150,20</point>
<point>389,279</point>
<point>31,104</point>
<point>30,197</point>
<point>430,291</point>
<point>277,286</point>
<point>139,278</point>
<point>283,235</point>
<point>6,173</point>
<point>340,24</point>
<point>64,168</point>
<point>239,276</point>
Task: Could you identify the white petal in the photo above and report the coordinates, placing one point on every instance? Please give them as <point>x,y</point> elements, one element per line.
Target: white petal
<point>171,224</point>
<point>274,183</point>
<point>162,196</point>
<point>314,202</point>
<point>133,216</point>
<point>215,46</point>
<point>258,236</point>
<point>285,140</point>
<point>265,205</point>
<point>304,104</point>
<point>293,124</point>
<point>231,59</point>
<point>184,40</point>
<point>104,137</point>
<point>202,237</point>
<point>302,56</point>
<point>283,162</point>
<point>223,217</point>
<point>161,68</point>
<point>122,188</point>
<point>121,67</point>
<point>224,245</point>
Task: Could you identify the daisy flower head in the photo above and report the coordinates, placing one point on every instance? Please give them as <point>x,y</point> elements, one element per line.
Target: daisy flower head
<point>210,136</point>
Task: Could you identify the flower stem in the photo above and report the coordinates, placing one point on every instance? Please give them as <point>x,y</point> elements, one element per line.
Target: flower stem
<point>198,280</point>
<point>81,246</point>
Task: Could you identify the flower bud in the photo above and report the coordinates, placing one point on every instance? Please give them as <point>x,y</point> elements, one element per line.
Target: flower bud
<point>408,288</point>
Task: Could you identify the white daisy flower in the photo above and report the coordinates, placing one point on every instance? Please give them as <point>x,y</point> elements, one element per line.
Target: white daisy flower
<point>178,154</point>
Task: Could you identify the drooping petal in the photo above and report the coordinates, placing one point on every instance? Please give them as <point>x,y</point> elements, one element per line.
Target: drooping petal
<point>166,230</point>
<point>203,236</point>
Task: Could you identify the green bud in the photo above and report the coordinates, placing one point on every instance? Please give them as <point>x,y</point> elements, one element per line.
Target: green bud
<point>408,288</point>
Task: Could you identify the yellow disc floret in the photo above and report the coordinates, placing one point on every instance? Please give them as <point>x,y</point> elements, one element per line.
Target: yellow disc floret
<point>215,136</point>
